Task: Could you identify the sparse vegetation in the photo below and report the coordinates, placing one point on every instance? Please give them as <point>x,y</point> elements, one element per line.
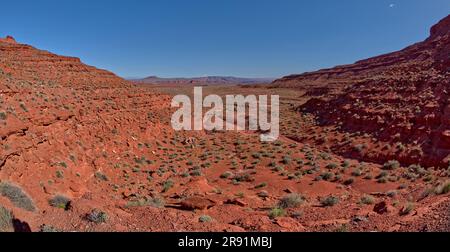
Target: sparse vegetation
<point>443,188</point>
<point>367,200</point>
<point>407,209</point>
<point>329,201</point>
<point>391,165</point>
<point>17,196</point>
<point>168,185</point>
<point>205,219</point>
<point>60,201</point>
<point>291,201</point>
<point>277,212</point>
<point>152,202</point>
<point>100,176</point>
<point>6,220</point>
<point>96,216</point>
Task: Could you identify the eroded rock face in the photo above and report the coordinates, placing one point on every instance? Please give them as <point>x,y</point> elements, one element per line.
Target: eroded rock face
<point>401,98</point>
<point>28,64</point>
<point>8,39</point>
<point>417,59</point>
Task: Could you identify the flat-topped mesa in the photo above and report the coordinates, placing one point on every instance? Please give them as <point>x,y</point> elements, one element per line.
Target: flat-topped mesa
<point>26,63</point>
<point>421,58</point>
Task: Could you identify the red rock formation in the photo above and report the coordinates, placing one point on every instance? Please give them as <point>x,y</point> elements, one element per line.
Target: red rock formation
<point>418,59</point>
<point>398,98</point>
<point>24,62</point>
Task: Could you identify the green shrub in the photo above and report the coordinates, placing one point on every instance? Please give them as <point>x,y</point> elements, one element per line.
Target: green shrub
<point>205,218</point>
<point>226,175</point>
<point>332,166</point>
<point>17,196</point>
<point>6,220</point>
<point>391,165</point>
<point>407,209</point>
<point>329,201</point>
<point>60,201</point>
<point>262,185</point>
<point>443,188</point>
<point>286,160</point>
<point>357,173</point>
<point>96,216</point>
<point>48,229</point>
<point>168,185</point>
<point>367,200</point>
<point>349,181</point>
<point>277,212</point>
<point>291,201</point>
<point>327,176</point>
<point>3,115</point>
<point>101,176</point>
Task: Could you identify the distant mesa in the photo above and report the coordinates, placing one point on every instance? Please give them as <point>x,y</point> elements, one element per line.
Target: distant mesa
<point>209,80</point>
<point>423,56</point>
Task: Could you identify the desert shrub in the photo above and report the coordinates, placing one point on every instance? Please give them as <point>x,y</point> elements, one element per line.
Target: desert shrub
<point>417,169</point>
<point>152,202</point>
<point>262,185</point>
<point>167,185</point>
<point>60,201</point>
<point>367,200</point>
<point>286,160</point>
<point>346,164</point>
<point>407,209</point>
<point>63,164</point>
<point>382,180</point>
<point>48,229</point>
<point>443,188</point>
<point>226,175</point>
<point>101,176</point>
<point>349,181</point>
<point>96,216</point>
<point>17,196</point>
<point>332,166</point>
<point>357,173</point>
<point>329,201</point>
<point>291,201</point>
<point>6,220</point>
<point>243,177</point>
<point>277,212</point>
<point>3,115</point>
<point>60,174</point>
<point>205,218</point>
<point>196,173</point>
<point>392,193</point>
<point>391,165</point>
<point>327,176</point>
<point>344,228</point>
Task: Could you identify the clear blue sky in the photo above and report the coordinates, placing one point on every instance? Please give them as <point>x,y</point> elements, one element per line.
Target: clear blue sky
<point>254,38</point>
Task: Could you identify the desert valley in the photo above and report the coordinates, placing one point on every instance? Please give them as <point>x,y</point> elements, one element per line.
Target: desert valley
<point>363,147</point>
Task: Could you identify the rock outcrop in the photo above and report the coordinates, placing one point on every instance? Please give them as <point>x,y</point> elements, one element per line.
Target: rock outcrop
<point>401,98</point>
<point>28,64</point>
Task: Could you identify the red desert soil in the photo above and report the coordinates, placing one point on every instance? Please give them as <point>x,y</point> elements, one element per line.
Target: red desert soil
<point>84,150</point>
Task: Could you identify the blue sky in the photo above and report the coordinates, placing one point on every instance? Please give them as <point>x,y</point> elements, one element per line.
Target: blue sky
<point>254,38</point>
